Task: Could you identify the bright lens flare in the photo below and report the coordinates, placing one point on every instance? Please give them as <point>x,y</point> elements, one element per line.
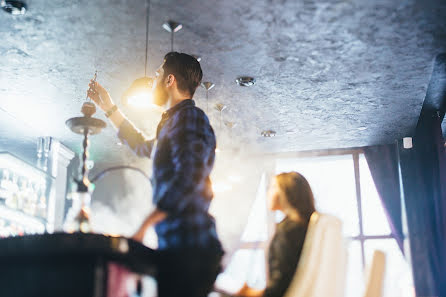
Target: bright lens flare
<point>235,178</point>
<point>141,100</point>
<point>221,187</point>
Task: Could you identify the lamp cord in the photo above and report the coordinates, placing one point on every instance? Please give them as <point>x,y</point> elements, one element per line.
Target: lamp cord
<point>147,36</point>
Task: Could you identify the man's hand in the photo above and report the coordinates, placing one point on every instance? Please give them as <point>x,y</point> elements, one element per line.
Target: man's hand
<point>100,96</point>
<point>139,235</point>
<point>154,218</point>
<point>247,291</point>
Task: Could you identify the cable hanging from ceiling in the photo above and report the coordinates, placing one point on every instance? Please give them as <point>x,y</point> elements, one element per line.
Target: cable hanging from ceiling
<point>139,94</point>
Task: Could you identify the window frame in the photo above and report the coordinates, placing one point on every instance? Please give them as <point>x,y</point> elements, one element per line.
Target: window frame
<point>271,223</point>
<point>355,153</point>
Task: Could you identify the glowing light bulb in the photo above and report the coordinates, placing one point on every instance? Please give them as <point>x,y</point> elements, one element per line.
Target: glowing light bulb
<point>141,99</point>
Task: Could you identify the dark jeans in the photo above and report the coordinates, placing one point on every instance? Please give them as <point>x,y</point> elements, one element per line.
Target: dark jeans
<point>187,273</point>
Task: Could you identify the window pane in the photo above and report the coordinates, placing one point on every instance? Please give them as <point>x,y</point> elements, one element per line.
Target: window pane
<point>332,179</point>
<point>256,228</point>
<point>246,265</point>
<point>374,218</point>
<point>398,280</point>
<point>355,277</point>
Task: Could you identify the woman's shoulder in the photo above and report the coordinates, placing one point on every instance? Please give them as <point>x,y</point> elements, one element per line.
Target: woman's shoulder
<point>290,227</point>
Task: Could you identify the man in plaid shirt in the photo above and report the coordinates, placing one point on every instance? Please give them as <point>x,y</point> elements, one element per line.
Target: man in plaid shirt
<point>183,155</point>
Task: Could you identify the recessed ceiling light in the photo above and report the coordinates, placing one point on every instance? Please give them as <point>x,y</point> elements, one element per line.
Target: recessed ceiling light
<point>245,81</point>
<point>268,133</point>
<point>15,7</point>
<point>362,128</point>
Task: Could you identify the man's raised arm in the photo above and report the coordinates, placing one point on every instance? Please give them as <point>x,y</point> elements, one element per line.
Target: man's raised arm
<point>126,131</point>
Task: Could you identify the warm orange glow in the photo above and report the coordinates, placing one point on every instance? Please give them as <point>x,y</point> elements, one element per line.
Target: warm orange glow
<point>141,99</point>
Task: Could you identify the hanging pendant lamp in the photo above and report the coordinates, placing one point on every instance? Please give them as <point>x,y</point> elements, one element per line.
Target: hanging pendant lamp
<point>172,27</point>
<point>140,92</point>
<point>207,85</point>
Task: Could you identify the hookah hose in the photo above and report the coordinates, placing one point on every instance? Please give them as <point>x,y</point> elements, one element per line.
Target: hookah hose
<point>104,172</point>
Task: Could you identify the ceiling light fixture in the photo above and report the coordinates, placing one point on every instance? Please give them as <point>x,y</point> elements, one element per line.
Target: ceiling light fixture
<point>268,133</point>
<point>220,107</point>
<point>140,92</point>
<point>15,7</point>
<point>245,81</point>
<point>172,27</point>
<point>207,85</point>
<point>197,57</point>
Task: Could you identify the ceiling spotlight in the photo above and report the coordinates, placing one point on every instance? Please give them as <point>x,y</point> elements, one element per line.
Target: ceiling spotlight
<point>15,7</point>
<point>268,133</point>
<point>220,107</point>
<point>207,85</point>
<point>230,125</point>
<point>197,57</point>
<point>245,81</point>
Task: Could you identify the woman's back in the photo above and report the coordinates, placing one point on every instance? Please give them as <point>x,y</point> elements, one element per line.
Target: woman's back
<point>283,255</point>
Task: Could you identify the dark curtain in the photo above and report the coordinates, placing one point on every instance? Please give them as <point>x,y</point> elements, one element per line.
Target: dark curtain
<point>423,171</point>
<point>383,164</point>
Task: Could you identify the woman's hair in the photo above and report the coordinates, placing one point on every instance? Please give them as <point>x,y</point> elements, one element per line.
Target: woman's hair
<point>295,195</point>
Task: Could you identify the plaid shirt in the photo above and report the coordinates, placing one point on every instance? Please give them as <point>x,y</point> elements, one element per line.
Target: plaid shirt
<point>183,157</point>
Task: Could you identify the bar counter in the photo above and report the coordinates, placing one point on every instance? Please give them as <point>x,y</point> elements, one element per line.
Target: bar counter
<point>76,264</point>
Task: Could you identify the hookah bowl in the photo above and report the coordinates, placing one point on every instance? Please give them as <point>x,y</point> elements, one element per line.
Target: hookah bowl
<point>78,217</point>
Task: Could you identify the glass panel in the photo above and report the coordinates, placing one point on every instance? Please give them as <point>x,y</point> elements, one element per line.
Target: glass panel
<point>398,279</point>
<point>332,179</point>
<point>24,197</point>
<point>355,278</point>
<point>374,219</point>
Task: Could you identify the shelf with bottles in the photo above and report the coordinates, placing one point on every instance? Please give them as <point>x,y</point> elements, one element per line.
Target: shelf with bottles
<point>24,189</point>
<point>15,223</point>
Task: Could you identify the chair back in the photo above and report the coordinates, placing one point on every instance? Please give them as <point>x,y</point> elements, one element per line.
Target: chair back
<point>321,271</point>
<point>375,275</point>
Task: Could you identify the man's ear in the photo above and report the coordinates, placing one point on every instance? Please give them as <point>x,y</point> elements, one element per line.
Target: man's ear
<point>169,80</point>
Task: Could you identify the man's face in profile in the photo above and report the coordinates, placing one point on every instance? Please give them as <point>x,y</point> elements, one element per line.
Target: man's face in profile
<point>160,95</point>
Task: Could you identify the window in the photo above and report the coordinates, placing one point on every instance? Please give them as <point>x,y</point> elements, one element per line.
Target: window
<point>342,186</point>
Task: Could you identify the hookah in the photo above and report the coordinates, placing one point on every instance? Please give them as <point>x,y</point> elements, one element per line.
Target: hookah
<point>78,216</point>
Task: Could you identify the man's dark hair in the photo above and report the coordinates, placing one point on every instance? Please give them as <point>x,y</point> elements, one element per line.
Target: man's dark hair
<point>185,68</point>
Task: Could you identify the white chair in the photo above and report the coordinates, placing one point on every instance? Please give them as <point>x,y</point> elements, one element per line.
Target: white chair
<point>321,271</point>
<point>375,275</point>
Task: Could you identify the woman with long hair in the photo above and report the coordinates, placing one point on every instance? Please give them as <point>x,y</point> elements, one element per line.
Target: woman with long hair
<point>291,194</point>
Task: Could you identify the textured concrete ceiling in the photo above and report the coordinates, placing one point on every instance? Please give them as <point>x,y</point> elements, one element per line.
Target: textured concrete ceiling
<point>330,74</point>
